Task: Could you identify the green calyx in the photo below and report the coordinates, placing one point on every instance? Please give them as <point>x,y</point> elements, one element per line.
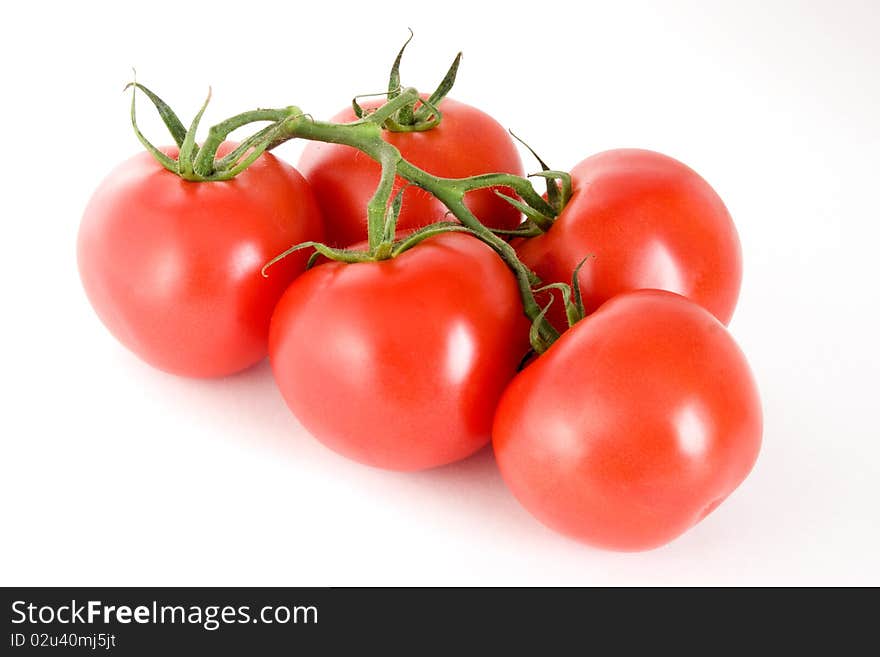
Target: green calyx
<point>388,246</point>
<point>385,251</point>
<point>574,308</point>
<point>200,163</point>
<point>419,114</point>
<point>538,221</point>
<point>571,295</point>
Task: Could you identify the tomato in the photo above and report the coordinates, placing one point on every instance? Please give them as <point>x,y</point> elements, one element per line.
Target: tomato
<point>173,267</point>
<point>466,142</point>
<point>633,426</point>
<point>400,363</point>
<point>647,221</point>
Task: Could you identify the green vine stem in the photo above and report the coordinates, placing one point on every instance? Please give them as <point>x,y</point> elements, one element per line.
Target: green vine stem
<point>365,134</point>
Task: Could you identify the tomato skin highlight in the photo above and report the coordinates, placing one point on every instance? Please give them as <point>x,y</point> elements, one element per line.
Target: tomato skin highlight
<point>467,142</point>
<point>633,426</point>
<point>172,267</point>
<point>647,221</point>
<point>399,364</point>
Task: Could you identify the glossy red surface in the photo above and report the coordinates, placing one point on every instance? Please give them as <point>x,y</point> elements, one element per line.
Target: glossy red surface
<point>633,426</point>
<point>646,221</point>
<point>173,267</point>
<point>399,364</point>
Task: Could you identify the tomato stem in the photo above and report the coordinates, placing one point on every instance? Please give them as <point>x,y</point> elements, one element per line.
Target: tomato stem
<point>365,134</point>
<point>406,117</point>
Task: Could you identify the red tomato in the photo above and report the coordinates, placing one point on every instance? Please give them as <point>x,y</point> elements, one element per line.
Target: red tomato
<point>633,426</point>
<point>467,142</point>
<point>399,364</point>
<point>648,221</point>
<point>173,267</point>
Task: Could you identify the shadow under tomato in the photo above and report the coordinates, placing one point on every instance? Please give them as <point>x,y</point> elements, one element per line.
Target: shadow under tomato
<point>247,407</point>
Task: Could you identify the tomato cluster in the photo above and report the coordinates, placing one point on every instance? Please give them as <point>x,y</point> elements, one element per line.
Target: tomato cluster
<point>404,341</point>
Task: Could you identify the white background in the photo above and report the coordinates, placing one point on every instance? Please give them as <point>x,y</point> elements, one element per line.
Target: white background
<point>114,474</point>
